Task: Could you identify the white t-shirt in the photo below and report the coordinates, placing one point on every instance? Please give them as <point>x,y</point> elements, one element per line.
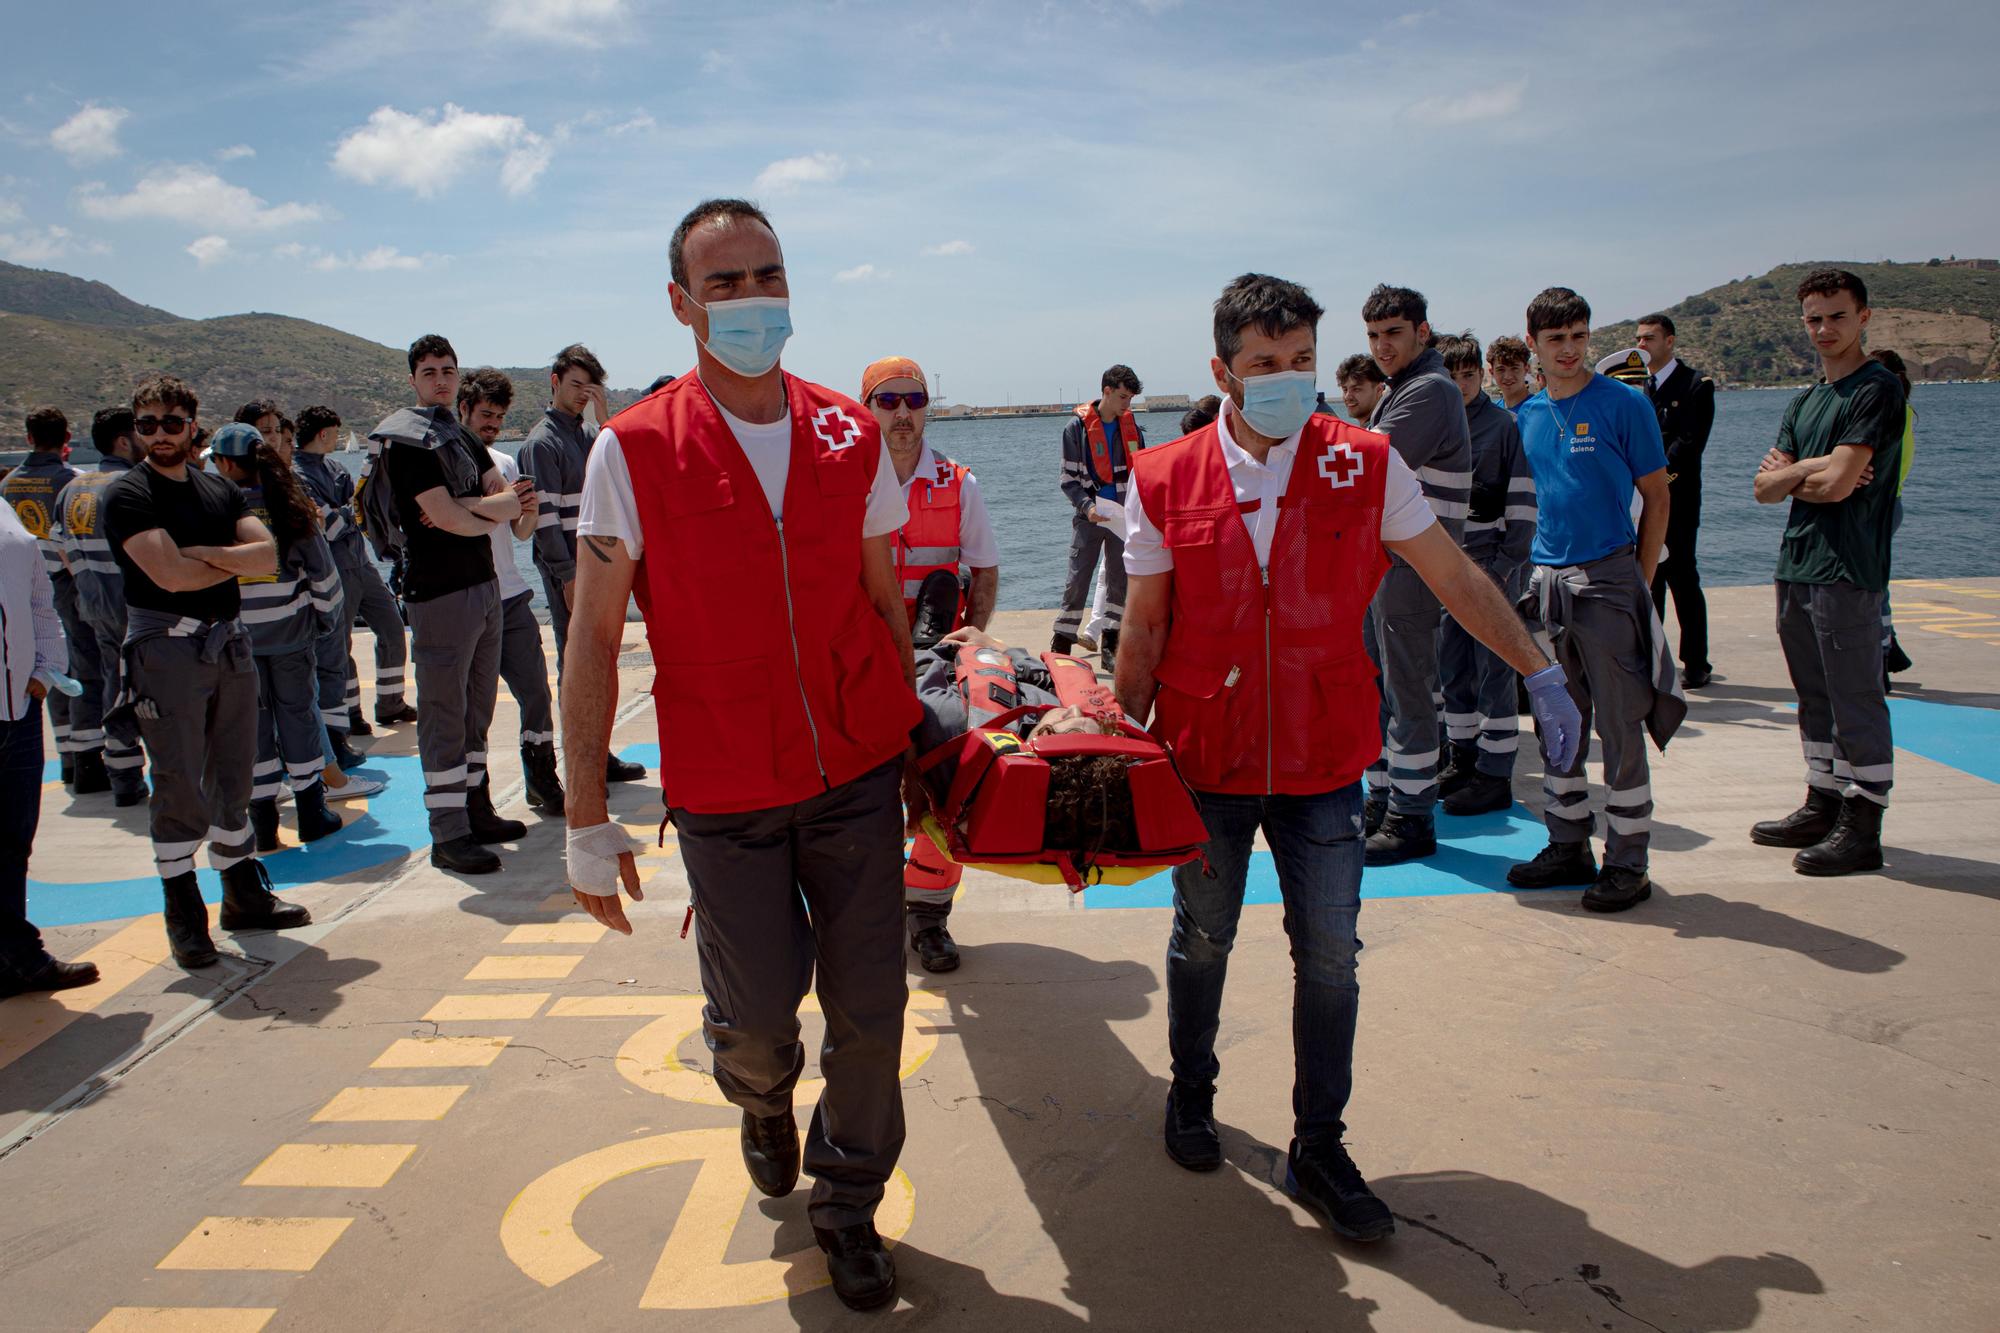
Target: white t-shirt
<point>609,509</point>
<point>1258,489</point>
<point>512,585</point>
<point>977,546</point>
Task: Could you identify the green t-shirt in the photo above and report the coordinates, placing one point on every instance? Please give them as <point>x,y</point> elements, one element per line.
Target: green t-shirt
<point>1847,542</point>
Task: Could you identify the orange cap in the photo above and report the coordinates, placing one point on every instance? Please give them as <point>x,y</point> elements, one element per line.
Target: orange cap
<point>891,368</point>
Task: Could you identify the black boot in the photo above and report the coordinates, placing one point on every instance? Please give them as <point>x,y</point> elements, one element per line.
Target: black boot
<point>1558,865</point>
<point>864,1276</point>
<point>465,855</point>
<point>1107,657</point>
<point>538,765</point>
<point>315,820</point>
<point>1461,764</point>
<point>1805,826</point>
<point>1480,794</point>
<point>249,904</point>
<point>1894,659</point>
<point>936,949</point>
<point>1326,1180</point>
<point>1401,838</point>
<point>620,770</point>
<point>1063,643</point>
<point>357,722</point>
<point>388,715</point>
<point>1374,811</point>
<point>344,756</point>
<point>486,825</point>
<point>1616,889</point>
<point>68,763</point>
<point>264,822</point>
<point>187,922</point>
<point>132,795</point>
<point>1854,845</point>
<point>91,776</point>
<point>771,1152</point>
<point>1191,1136</point>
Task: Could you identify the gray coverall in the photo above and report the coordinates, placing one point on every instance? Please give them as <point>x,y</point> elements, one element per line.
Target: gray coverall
<point>33,489</point>
<point>555,454</point>
<point>100,606</point>
<point>288,617</point>
<point>524,668</point>
<point>361,589</point>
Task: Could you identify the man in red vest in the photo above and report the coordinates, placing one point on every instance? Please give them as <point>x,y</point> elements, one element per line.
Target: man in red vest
<point>754,515</point>
<point>948,564</point>
<point>1254,547</point>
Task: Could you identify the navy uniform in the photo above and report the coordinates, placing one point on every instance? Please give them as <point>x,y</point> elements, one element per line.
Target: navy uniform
<point>522,664</point>
<point>100,606</point>
<point>361,588</point>
<point>555,454</point>
<point>32,489</point>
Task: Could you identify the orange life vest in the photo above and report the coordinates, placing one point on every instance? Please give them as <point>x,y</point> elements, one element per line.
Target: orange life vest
<point>1101,465</point>
<point>930,540</point>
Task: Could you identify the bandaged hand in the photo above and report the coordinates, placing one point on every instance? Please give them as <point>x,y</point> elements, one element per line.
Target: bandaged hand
<point>1557,717</point>
<point>599,859</point>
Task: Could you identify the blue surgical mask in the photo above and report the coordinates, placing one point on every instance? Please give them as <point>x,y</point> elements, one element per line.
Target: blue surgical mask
<point>747,335</point>
<point>1277,404</point>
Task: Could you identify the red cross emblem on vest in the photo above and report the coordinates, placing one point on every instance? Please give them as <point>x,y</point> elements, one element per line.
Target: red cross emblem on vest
<point>1340,465</point>
<point>835,428</point>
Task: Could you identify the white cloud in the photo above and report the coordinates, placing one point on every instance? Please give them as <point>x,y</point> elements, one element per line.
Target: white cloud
<point>714,62</point>
<point>39,245</point>
<point>572,22</point>
<point>784,176</point>
<point>234,152</point>
<point>638,124</point>
<point>289,250</point>
<point>859,273</point>
<point>382,259</point>
<point>10,211</point>
<point>91,135</point>
<point>1495,103</point>
<point>427,153</point>
<point>209,250</point>
<point>195,197</point>
<point>949,248</point>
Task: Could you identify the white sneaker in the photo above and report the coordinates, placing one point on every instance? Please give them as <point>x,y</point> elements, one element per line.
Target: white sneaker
<point>357,787</point>
<point>1086,642</point>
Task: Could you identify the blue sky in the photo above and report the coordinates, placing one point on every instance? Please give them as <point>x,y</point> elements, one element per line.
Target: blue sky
<point>1015,194</point>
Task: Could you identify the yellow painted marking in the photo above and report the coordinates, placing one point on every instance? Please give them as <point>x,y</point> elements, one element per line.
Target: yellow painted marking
<point>182,1319</point>
<point>260,1244</point>
<point>650,1057</point>
<point>485,1008</point>
<point>524,967</point>
<point>618,1006</point>
<point>440,1053</point>
<point>351,1105</point>
<point>26,1021</point>
<point>558,932</point>
<point>563,900</point>
<point>331,1165</point>
<point>539,1232</point>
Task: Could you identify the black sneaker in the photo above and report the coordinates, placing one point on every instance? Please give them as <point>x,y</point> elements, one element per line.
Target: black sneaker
<point>1191,1135</point>
<point>771,1152</point>
<point>864,1276</point>
<point>622,770</point>
<point>1617,889</point>
<point>1327,1181</point>
<point>935,949</point>
<point>1401,838</point>
<point>1480,794</point>
<point>1695,678</point>
<point>1558,865</point>
<point>1373,811</point>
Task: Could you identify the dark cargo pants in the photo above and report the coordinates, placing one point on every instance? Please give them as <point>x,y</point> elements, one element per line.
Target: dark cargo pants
<point>202,745</point>
<point>524,668</point>
<point>1404,617</point>
<point>455,642</point>
<point>1087,542</point>
<point>364,593</point>
<point>1832,637</point>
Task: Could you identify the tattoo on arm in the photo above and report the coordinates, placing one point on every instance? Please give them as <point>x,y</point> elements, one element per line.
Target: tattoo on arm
<point>601,547</point>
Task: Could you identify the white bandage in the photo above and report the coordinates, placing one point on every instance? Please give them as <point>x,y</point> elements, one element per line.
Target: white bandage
<point>593,855</point>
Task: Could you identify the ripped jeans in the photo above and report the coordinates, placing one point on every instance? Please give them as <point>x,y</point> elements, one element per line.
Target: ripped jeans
<point>1316,844</point>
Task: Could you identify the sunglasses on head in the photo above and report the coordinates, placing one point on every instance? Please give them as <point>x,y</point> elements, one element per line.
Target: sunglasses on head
<point>171,425</point>
<point>892,401</point>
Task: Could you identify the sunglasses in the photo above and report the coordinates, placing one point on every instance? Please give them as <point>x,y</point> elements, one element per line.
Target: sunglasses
<point>892,401</point>
<point>170,425</point>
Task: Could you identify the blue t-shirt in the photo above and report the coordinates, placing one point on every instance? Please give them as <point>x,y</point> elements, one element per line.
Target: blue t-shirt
<point>1108,490</point>
<point>1586,451</point>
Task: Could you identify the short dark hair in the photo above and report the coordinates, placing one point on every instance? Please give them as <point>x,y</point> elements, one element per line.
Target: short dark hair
<point>1828,281</point>
<point>1460,351</point>
<point>110,425</point>
<point>1556,308</point>
<point>163,390</point>
<point>431,344</point>
<point>1089,808</point>
<point>1661,318</point>
<point>1200,414</point>
<point>485,385</point>
<point>659,384</point>
<point>1507,350</point>
<point>1274,306</point>
<point>257,409</point>
<point>1120,377</point>
<point>315,419</point>
<point>48,428</point>
<point>577,357</point>
<point>707,211</point>
<point>1893,359</point>
<point>1360,366</point>
<point>1387,302</point>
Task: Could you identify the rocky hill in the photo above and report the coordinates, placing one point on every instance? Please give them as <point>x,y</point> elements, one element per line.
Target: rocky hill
<point>81,345</point>
<point>1945,320</point>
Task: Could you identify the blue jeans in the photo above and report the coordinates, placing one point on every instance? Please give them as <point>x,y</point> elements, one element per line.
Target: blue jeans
<point>1316,842</point>
<point>21,952</point>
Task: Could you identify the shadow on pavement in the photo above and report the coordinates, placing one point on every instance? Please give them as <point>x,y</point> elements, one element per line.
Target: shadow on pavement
<point>1698,916</point>
<point>303,987</point>
<point>74,1056</point>
<point>1930,870</point>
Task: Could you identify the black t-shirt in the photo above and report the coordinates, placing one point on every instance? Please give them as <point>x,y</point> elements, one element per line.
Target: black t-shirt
<point>436,562</point>
<point>201,511</point>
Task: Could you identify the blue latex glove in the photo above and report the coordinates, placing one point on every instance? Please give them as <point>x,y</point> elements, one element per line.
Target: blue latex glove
<point>1556,717</point>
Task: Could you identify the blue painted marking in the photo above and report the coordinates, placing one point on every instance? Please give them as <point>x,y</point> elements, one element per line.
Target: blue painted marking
<point>1961,737</point>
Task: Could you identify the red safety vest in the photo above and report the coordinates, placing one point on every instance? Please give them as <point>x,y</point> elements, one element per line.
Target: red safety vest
<point>929,541</point>
<point>1100,448</point>
<point>775,679</point>
<point>1264,687</point>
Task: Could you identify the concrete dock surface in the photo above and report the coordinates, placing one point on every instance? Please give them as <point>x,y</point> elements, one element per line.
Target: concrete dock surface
<point>1755,1101</point>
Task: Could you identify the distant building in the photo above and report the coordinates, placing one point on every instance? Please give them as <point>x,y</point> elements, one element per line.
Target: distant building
<point>1163,402</point>
<point>1987,265</point>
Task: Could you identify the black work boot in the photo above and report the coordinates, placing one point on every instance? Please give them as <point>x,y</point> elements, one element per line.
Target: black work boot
<point>357,722</point>
<point>264,822</point>
<point>936,949</point>
<point>1617,888</point>
<point>488,826</point>
<point>1461,765</point>
<point>864,1276</point>
<point>315,820</point>
<point>1107,657</point>
<point>1805,826</point>
<point>388,715</point>
<point>131,794</point>
<point>1401,838</point>
<point>622,770</point>
<point>1373,811</point>
<point>465,855</point>
<point>53,975</point>
<point>91,776</point>
<point>1480,794</point>
<point>187,922</point>
<point>1894,659</point>
<point>344,755</point>
<point>1325,1179</point>
<point>1855,843</point>
<point>937,607</point>
<point>1558,865</point>
<point>68,764</point>
<point>1063,643</point>
<point>538,766</point>
<point>249,904</point>
<point>771,1152</point>
<point>1191,1136</point>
